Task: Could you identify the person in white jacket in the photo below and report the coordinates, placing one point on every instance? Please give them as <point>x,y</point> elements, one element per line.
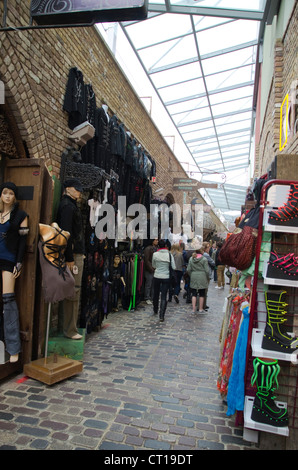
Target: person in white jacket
<point>161,260</point>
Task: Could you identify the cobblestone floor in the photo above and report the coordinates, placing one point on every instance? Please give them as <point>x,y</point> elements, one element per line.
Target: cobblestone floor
<point>145,385</point>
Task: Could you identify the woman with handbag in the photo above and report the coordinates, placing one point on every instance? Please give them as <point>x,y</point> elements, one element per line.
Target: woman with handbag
<point>198,271</point>
<point>162,260</point>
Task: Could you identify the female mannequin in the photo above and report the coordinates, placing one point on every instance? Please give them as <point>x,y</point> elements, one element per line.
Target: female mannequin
<point>117,282</point>
<point>13,234</point>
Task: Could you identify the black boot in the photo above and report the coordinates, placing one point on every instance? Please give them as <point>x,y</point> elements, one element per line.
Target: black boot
<point>275,336</point>
<point>265,410</point>
<point>163,306</point>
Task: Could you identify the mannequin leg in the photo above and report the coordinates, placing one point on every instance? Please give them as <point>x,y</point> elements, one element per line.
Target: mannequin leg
<point>71,306</point>
<point>11,317</point>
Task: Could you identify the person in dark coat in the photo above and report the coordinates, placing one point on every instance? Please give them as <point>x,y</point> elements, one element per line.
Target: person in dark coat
<point>69,218</point>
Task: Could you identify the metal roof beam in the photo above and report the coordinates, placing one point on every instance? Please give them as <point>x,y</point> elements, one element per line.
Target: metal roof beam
<point>203,57</point>
<point>212,92</point>
<point>199,139</point>
<point>205,11</point>
<point>206,75</point>
<point>247,110</point>
<point>222,147</point>
<point>207,162</point>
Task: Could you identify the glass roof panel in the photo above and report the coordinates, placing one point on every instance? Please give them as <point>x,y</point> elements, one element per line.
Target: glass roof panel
<point>227,35</point>
<point>257,5</point>
<point>207,22</point>
<point>229,96</point>
<point>165,27</point>
<point>200,59</point>
<point>187,105</point>
<point>167,53</point>
<point>230,78</point>
<point>182,90</point>
<point>229,60</point>
<point>231,106</point>
<point>172,76</point>
<point>194,127</point>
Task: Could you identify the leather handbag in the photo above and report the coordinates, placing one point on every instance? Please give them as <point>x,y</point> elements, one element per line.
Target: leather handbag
<point>239,249</point>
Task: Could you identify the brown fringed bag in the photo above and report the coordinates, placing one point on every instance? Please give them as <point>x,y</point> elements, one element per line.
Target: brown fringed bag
<point>239,249</point>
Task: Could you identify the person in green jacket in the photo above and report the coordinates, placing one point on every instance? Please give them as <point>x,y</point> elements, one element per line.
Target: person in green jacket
<point>198,271</point>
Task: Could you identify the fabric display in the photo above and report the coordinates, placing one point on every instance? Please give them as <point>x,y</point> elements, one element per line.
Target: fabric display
<point>229,334</point>
<point>236,386</point>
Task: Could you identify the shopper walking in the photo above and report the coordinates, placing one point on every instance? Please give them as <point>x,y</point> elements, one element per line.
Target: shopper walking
<point>212,253</point>
<point>220,268</point>
<point>149,270</point>
<point>211,266</point>
<point>177,252</point>
<point>161,260</point>
<point>198,271</point>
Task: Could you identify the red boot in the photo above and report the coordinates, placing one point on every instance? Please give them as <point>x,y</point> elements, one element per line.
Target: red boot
<point>288,213</point>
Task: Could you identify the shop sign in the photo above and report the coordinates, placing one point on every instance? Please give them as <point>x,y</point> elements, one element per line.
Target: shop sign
<point>189,184</point>
<point>68,12</point>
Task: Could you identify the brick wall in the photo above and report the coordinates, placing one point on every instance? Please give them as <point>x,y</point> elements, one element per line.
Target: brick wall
<point>285,71</point>
<point>34,66</point>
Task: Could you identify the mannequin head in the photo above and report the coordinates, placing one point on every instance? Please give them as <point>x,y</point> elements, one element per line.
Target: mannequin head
<point>8,195</point>
<point>116,260</point>
<point>73,188</point>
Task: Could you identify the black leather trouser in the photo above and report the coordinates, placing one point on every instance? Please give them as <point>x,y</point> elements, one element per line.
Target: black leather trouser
<point>160,287</point>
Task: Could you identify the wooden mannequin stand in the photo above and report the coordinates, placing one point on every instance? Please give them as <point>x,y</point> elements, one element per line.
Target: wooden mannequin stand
<point>53,369</point>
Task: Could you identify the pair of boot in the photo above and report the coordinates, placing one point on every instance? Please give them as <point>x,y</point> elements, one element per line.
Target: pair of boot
<point>283,266</point>
<point>276,338</point>
<point>288,213</point>
<point>265,410</point>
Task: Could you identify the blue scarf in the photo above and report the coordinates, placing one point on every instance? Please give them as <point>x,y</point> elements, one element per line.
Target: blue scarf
<point>235,396</point>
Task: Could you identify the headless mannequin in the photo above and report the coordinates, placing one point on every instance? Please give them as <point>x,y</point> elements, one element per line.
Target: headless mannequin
<point>53,235</point>
<point>8,200</point>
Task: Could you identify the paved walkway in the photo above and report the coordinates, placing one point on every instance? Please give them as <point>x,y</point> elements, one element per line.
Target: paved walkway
<point>145,385</point>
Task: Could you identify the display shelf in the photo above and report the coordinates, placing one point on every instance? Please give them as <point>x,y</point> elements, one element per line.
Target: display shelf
<point>258,351</point>
<point>274,281</point>
<point>276,228</point>
<point>250,424</point>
